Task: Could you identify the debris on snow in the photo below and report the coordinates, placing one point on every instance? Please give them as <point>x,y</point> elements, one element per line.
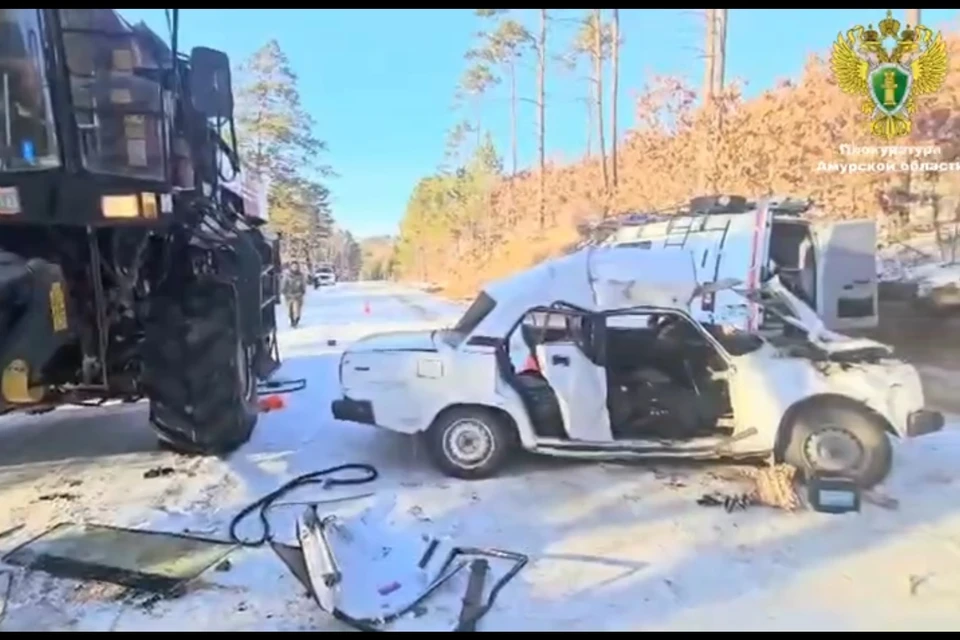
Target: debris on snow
<point>369,578</point>
<point>612,547</point>
<point>773,486</point>
<point>158,472</point>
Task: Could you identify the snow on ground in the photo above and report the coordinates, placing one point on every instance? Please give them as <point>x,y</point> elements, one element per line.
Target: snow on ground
<point>613,547</point>
<point>922,257</point>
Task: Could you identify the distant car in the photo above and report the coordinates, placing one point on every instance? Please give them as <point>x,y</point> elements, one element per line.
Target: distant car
<point>324,278</point>
<point>610,352</point>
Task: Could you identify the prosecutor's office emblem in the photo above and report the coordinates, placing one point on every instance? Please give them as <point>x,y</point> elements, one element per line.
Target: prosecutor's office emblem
<point>889,69</point>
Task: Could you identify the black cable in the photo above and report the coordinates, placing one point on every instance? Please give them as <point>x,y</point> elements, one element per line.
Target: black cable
<point>369,474</point>
<point>322,477</point>
<point>444,574</point>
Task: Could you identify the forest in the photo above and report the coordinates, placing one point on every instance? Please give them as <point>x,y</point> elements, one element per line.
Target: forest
<point>277,141</point>
<point>481,216</point>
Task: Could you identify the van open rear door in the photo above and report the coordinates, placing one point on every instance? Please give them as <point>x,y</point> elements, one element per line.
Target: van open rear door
<point>847,274</point>
<point>741,252</point>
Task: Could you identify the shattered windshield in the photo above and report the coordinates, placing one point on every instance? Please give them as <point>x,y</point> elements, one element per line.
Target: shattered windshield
<point>27,134</point>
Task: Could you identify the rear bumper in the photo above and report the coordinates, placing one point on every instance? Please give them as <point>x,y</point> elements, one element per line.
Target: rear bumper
<point>924,421</point>
<point>353,410</point>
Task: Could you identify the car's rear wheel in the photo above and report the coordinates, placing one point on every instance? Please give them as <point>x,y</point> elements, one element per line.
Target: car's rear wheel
<point>840,441</point>
<point>470,442</point>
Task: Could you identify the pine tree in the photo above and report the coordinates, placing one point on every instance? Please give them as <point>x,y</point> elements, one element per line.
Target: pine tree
<point>277,142</point>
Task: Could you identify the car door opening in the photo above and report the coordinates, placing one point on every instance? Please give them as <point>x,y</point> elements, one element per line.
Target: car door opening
<point>793,254</point>
<point>664,379</point>
<point>660,376</point>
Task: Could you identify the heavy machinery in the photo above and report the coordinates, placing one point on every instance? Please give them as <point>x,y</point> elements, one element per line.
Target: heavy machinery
<point>133,260</point>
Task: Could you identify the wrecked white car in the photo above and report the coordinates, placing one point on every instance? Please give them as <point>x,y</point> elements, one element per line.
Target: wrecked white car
<point>602,354</point>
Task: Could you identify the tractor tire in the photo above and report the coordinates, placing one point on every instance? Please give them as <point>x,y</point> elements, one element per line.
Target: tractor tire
<point>198,374</point>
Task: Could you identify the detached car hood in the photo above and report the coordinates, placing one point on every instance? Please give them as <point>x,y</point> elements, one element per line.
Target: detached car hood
<point>395,341</point>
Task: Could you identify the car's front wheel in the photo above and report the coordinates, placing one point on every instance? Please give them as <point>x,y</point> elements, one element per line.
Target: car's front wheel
<point>842,441</point>
<point>470,442</point>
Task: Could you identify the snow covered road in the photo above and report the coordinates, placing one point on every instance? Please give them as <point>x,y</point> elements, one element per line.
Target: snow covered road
<point>613,547</point>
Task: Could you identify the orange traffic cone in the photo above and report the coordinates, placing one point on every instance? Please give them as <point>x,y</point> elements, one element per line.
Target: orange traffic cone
<point>366,308</point>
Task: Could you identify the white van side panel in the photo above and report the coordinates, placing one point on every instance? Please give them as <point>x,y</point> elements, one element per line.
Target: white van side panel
<point>743,254</point>
<point>847,274</point>
<point>721,245</point>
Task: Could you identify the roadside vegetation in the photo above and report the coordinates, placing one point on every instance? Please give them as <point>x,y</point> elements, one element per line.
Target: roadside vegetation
<point>278,140</point>
<point>482,216</point>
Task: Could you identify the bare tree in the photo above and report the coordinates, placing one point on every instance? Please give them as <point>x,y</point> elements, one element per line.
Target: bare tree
<point>541,47</point>
<point>504,47</point>
<point>592,42</point>
<point>720,50</point>
<point>713,81</point>
<point>570,63</point>
<point>615,80</point>
<point>715,52</point>
<point>598,52</point>
<point>709,51</point>
<point>476,81</point>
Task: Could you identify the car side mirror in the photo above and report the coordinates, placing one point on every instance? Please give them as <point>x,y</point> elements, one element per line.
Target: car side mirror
<point>211,90</point>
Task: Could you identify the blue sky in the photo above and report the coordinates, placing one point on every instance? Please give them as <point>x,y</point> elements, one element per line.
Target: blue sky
<point>380,83</point>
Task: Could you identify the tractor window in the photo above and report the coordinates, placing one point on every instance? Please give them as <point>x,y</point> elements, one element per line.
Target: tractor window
<point>27,134</point>
<point>117,98</point>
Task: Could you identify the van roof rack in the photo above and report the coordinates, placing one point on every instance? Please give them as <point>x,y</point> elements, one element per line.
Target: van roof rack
<point>790,205</point>
<point>782,205</point>
<point>724,203</point>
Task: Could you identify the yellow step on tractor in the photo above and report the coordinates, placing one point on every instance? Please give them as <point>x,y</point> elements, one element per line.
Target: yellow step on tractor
<point>133,258</point>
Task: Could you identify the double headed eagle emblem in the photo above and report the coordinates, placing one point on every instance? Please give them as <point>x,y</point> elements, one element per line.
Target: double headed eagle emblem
<point>889,78</point>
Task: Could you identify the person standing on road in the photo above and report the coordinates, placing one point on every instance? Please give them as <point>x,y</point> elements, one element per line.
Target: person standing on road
<point>294,288</point>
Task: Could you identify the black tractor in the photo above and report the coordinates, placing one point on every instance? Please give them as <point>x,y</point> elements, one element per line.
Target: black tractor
<point>133,258</point>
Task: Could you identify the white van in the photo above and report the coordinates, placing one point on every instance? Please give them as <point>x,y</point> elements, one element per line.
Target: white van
<point>831,266</point>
